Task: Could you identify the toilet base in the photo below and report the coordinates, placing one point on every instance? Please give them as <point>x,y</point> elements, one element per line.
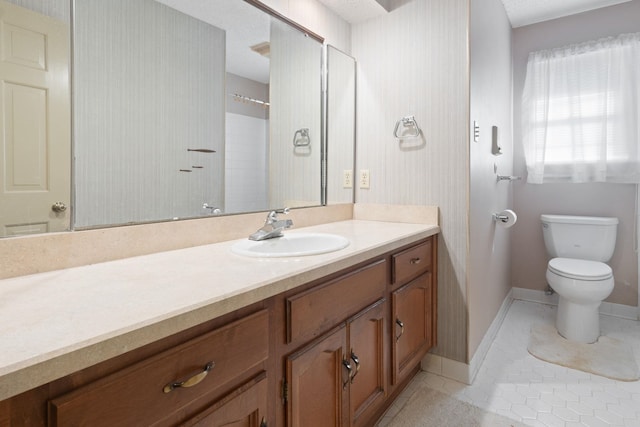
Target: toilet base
<point>578,322</point>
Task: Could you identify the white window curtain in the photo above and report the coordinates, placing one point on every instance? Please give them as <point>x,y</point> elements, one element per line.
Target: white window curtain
<point>581,112</point>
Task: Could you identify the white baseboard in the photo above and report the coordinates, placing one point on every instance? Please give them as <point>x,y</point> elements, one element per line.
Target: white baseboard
<point>464,372</point>
<point>447,368</point>
<point>606,308</point>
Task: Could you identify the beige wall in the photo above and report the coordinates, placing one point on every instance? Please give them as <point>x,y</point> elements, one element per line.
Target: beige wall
<point>529,256</point>
<point>414,61</point>
<point>489,275</point>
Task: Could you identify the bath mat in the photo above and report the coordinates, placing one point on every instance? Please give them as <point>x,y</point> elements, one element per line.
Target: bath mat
<point>607,357</point>
<point>430,408</point>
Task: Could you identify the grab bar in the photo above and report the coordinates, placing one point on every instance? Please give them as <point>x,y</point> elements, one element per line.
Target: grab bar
<point>304,140</point>
<point>407,121</point>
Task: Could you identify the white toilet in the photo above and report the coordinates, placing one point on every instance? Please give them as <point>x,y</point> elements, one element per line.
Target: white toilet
<point>580,246</point>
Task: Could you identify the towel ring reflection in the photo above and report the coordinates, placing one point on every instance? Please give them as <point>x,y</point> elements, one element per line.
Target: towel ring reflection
<point>301,138</point>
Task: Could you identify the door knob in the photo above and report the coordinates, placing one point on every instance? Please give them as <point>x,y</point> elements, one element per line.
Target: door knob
<point>59,207</point>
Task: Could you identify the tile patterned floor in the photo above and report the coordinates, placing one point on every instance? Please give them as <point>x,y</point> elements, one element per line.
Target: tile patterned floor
<point>519,386</point>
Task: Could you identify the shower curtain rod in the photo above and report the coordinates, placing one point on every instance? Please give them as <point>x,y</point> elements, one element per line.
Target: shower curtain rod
<point>242,98</point>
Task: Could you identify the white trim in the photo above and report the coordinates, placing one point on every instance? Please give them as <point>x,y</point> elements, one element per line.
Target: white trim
<point>466,373</point>
<point>463,372</point>
<point>447,368</point>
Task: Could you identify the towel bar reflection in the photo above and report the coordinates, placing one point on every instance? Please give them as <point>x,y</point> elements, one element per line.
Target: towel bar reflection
<point>301,138</point>
<point>407,122</point>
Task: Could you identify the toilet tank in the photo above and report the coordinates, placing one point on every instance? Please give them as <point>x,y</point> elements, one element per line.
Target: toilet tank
<point>583,237</point>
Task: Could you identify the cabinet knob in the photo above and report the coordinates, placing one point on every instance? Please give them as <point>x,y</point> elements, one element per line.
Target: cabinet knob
<point>196,379</point>
<point>399,323</point>
<point>415,261</point>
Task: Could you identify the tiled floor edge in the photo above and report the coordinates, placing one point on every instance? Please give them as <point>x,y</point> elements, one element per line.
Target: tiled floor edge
<point>606,308</point>
<point>447,368</point>
<point>464,372</point>
<point>490,335</point>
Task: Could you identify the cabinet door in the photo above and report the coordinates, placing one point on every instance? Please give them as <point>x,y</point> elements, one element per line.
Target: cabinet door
<point>317,383</point>
<point>246,407</point>
<point>367,344</point>
<point>412,317</point>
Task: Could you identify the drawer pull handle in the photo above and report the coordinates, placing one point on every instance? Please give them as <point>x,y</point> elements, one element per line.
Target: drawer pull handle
<point>415,261</point>
<point>357,362</point>
<point>399,323</point>
<point>347,365</point>
<point>196,379</point>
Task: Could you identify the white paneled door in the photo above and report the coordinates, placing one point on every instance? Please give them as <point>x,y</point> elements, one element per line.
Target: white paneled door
<point>35,141</point>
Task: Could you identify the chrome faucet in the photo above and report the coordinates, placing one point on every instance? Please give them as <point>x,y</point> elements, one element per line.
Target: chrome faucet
<point>272,226</point>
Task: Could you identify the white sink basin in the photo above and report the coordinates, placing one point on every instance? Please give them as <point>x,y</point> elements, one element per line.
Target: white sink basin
<point>291,245</point>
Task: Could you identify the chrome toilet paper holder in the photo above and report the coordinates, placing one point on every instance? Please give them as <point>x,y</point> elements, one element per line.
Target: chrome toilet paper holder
<point>500,217</point>
<point>505,219</point>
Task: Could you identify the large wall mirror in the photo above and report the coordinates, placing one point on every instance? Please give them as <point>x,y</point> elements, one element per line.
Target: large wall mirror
<point>179,109</point>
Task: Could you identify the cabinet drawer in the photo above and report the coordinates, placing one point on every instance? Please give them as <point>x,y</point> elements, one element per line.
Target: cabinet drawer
<point>139,395</point>
<point>315,311</point>
<point>411,263</point>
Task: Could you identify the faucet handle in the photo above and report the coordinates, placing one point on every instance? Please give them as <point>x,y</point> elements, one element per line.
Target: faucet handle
<point>272,216</point>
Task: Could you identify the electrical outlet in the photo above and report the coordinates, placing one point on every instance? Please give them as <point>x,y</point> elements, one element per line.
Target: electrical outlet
<point>347,178</point>
<point>364,178</point>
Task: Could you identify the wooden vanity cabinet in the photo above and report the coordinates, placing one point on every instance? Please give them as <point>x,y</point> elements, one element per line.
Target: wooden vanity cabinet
<point>413,302</point>
<point>340,379</point>
<point>176,384</point>
<point>353,342</point>
<point>245,407</point>
<point>333,352</point>
<point>412,325</point>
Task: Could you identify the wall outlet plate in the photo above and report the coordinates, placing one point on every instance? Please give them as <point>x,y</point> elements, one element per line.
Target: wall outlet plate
<point>364,178</point>
<point>347,178</point>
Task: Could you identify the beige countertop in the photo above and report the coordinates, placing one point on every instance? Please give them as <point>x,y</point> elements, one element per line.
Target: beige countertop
<point>56,323</point>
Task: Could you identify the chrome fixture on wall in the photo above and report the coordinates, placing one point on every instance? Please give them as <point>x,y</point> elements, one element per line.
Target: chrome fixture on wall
<point>301,138</point>
<point>407,122</point>
<point>508,178</point>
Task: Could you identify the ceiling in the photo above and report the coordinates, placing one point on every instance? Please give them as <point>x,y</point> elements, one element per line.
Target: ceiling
<point>520,12</point>
<point>355,11</point>
<point>525,12</point>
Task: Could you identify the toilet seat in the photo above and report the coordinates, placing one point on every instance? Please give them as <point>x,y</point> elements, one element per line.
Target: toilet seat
<point>580,269</point>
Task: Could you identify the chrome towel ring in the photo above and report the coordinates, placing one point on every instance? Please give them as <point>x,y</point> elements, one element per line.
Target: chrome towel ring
<point>407,122</point>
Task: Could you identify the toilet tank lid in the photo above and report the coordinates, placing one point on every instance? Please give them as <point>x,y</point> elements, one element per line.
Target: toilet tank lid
<point>574,219</point>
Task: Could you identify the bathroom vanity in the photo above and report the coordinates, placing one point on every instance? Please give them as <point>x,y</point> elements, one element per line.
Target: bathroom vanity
<point>202,336</point>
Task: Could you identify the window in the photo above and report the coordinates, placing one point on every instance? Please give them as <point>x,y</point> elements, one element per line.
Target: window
<point>580,112</point>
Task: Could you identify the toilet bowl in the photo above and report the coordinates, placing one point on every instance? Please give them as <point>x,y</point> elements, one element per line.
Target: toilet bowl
<point>580,246</point>
<point>582,286</point>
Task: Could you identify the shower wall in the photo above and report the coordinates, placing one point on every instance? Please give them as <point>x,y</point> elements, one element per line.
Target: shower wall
<point>246,146</point>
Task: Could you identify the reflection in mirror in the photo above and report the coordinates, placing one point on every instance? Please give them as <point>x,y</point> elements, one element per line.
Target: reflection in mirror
<point>341,126</point>
<point>156,91</point>
<point>35,146</point>
<point>151,107</point>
